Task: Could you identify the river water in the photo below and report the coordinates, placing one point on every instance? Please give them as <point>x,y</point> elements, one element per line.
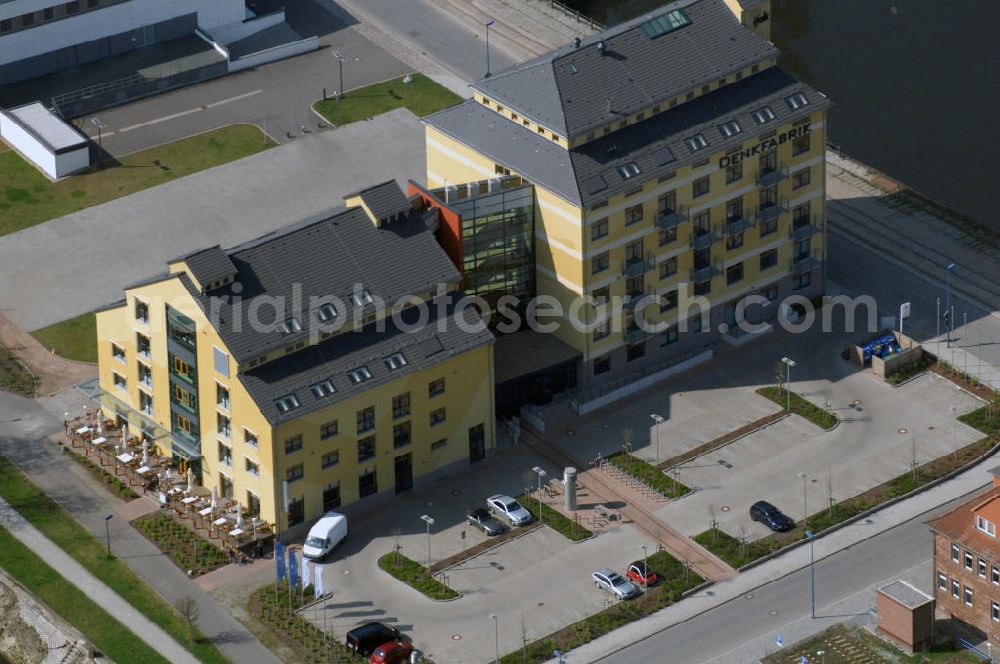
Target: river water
<point>915,85</point>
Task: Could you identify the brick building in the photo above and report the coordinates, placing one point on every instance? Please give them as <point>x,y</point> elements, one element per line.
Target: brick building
<point>967,562</point>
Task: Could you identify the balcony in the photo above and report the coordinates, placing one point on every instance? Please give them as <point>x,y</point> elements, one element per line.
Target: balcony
<point>772,176</point>
<point>635,335</point>
<point>634,267</point>
<point>802,264</point>
<point>737,225</point>
<point>802,229</point>
<point>632,299</point>
<point>704,239</point>
<point>669,219</point>
<point>772,211</point>
<point>704,273</point>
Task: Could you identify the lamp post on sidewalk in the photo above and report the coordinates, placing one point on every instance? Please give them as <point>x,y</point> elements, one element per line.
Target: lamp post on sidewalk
<point>429,520</point>
<point>812,573</point>
<point>340,90</point>
<point>107,531</point>
<point>789,363</point>
<point>488,24</point>
<point>805,510</point>
<point>947,303</point>
<point>541,473</point>
<point>496,637</point>
<point>657,421</point>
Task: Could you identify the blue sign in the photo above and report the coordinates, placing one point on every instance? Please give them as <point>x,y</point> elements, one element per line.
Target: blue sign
<point>293,569</point>
<point>804,660</point>
<point>778,641</point>
<point>279,559</point>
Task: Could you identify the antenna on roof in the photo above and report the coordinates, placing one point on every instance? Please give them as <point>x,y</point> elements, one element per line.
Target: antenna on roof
<point>601,46</point>
<point>576,42</point>
<point>609,106</point>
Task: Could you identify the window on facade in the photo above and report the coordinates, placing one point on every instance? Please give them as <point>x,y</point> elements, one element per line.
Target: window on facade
<point>995,575</point>
<point>437,416</point>
<point>599,229</point>
<point>330,459</point>
<point>734,171</point>
<point>634,251</point>
<point>995,611</point>
<point>145,403</point>
<point>435,388</point>
<point>296,510</point>
<point>223,425</point>
<point>367,484</point>
<point>287,403</point>
<point>331,497</point>
<point>328,430</point>
<point>734,241</point>
<point>359,375</point>
<point>801,144</point>
<point>601,295</point>
<point>981,568</point>
<point>366,448</point>
<point>668,268</point>
<point>668,336</point>
<point>734,273</point>
<point>221,396</point>
<point>768,161</point>
<point>954,553</point>
<point>633,215</point>
<point>600,262</point>
<point>602,365</point>
<point>768,226</point>
<point>801,178</point>
<point>968,560</point>
<point>142,344</point>
<point>668,301</point>
<point>120,381</point>
<point>251,467</point>
<point>802,281</point>
<point>635,351</point>
<point>768,259</point>
<point>956,588</point>
<point>117,352</point>
<point>293,444</point>
<point>141,311</point>
<point>695,323</point>
<point>401,436</point>
<point>602,329</point>
<point>6,25</point>
<point>225,455</point>
<point>250,438</point>
<point>968,596</point>
<point>366,419</point>
<point>439,444</point>
<point>401,405</point>
<point>293,473</point>
<point>942,581</point>
<point>700,187</point>
<point>666,236</point>
<point>986,526</point>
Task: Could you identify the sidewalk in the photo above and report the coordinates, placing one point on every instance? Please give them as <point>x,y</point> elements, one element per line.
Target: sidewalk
<point>103,596</point>
<point>798,558</point>
<point>29,444</point>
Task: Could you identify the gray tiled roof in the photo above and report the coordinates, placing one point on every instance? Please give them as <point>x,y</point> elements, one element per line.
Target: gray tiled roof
<point>328,256</point>
<point>210,265</point>
<point>588,173</point>
<point>384,199</point>
<point>440,339</point>
<point>574,89</point>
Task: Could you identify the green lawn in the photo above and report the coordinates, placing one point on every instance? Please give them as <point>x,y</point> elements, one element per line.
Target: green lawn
<point>14,376</point>
<point>106,633</point>
<point>849,645</point>
<point>555,520</point>
<point>56,524</point>
<point>800,406</point>
<point>27,197</point>
<point>415,575</point>
<point>650,474</point>
<point>74,339</point>
<point>421,96</point>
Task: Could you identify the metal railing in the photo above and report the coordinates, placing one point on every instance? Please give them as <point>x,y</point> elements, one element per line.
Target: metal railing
<point>705,239</point>
<point>699,274</point>
<point>626,478</point>
<point>738,225</point>
<point>633,267</point>
<point>806,263</point>
<point>807,230</point>
<point>772,211</point>
<point>668,219</point>
<point>575,13</point>
<point>772,176</point>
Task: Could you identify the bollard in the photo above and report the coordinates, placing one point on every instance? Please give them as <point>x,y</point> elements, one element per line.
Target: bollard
<point>569,479</point>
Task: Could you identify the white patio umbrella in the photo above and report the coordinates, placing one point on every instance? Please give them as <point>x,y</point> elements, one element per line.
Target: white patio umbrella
<point>190,479</point>
<point>145,454</point>
<point>100,424</point>
<point>215,498</point>
<point>124,433</point>
<point>239,515</point>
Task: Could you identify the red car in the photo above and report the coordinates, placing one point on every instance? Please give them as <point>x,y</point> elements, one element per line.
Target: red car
<point>393,652</point>
<point>641,573</point>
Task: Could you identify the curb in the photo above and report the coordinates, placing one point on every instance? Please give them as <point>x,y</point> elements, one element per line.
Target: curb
<point>524,532</point>
<point>785,415</point>
<point>426,597</point>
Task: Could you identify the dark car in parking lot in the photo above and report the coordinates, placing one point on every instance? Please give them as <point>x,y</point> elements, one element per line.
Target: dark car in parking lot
<point>366,638</point>
<point>766,513</point>
<point>486,522</point>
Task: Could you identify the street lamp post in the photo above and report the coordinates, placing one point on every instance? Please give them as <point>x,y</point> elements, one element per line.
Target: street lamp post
<point>947,303</point>
<point>789,363</point>
<point>645,566</point>
<point>107,531</point>
<point>496,637</point>
<point>812,573</point>
<point>340,90</point>
<point>822,653</point>
<point>541,473</point>
<point>430,522</point>
<point>658,420</point>
<point>488,24</point>
<point>805,510</point>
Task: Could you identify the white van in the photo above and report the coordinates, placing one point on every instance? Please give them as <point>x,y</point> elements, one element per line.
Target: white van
<point>325,534</point>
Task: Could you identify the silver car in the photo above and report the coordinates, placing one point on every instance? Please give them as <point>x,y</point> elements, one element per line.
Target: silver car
<point>509,509</point>
<point>615,583</point>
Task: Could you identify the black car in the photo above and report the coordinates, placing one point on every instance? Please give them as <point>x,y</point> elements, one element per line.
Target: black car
<point>771,516</point>
<point>368,637</point>
<point>486,522</point>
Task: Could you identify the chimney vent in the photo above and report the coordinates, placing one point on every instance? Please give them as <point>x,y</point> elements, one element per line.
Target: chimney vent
<point>576,42</point>
<point>601,46</point>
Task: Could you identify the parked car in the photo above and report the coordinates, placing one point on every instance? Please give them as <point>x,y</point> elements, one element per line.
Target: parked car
<point>393,652</point>
<point>366,638</point>
<point>485,521</point>
<point>771,516</point>
<point>509,509</point>
<point>641,573</point>
<point>615,583</point>
<point>325,534</point>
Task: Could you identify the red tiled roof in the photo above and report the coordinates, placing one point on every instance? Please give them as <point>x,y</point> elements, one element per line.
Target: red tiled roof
<point>960,524</point>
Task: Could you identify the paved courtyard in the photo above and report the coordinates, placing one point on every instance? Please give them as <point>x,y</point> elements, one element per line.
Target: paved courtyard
<point>101,249</point>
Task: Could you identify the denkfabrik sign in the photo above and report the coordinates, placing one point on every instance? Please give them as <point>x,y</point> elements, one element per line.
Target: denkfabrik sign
<point>765,145</point>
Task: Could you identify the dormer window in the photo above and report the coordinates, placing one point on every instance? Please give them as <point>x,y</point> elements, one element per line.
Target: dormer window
<point>395,361</point>
<point>986,526</point>
<point>628,170</point>
<point>359,375</point>
<point>286,403</point>
<point>325,313</point>
<point>361,298</point>
<point>763,115</point>
<point>289,326</point>
<point>696,142</point>
<point>323,389</point>
<point>729,129</point>
<point>796,101</point>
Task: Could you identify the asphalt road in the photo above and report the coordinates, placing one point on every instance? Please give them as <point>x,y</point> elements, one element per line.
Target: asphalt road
<point>723,631</point>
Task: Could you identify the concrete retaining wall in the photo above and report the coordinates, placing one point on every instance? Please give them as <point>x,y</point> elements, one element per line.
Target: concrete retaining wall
<point>276,53</point>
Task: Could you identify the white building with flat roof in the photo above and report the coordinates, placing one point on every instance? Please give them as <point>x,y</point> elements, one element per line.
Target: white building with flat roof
<point>51,144</point>
<point>38,37</point>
